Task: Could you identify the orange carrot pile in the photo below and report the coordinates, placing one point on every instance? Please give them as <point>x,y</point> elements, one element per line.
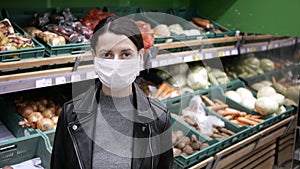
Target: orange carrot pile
<point>238,117</point>
<point>165,90</point>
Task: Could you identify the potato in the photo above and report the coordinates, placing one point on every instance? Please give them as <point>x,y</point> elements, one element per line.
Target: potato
<point>180,145</point>
<point>203,146</point>
<point>179,134</point>
<point>186,140</point>
<point>188,149</point>
<point>196,145</point>
<point>176,152</point>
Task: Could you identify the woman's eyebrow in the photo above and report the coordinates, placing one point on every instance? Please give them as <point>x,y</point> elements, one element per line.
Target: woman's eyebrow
<point>103,50</point>
<point>127,50</point>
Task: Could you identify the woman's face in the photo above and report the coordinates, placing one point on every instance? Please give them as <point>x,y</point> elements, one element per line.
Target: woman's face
<point>114,46</point>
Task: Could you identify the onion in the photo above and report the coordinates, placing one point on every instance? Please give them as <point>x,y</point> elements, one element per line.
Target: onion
<point>26,111</point>
<point>54,119</point>
<point>33,118</point>
<point>41,108</point>
<point>52,109</point>
<point>45,124</point>
<point>44,101</point>
<point>34,106</point>
<point>47,113</point>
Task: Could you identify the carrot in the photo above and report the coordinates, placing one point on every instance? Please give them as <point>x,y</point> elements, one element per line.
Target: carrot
<point>238,123</point>
<point>217,107</point>
<point>246,121</point>
<point>219,102</point>
<point>242,114</point>
<point>226,113</point>
<point>282,80</point>
<point>162,88</point>
<point>228,117</point>
<point>255,116</point>
<point>208,101</point>
<point>256,120</point>
<point>273,80</point>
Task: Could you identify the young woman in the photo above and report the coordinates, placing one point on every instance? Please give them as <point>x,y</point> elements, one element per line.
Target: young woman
<point>114,124</point>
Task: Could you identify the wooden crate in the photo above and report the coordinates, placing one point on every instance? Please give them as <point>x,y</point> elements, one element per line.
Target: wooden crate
<point>285,149</point>
<point>207,164</point>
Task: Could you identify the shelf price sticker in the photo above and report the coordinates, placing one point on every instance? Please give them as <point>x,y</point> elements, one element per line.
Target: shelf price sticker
<point>276,45</point>
<point>91,75</point>
<point>196,57</point>
<point>271,46</point>
<point>60,80</point>
<point>188,58</point>
<point>264,48</point>
<point>43,82</point>
<point>227,53</point>
<point>243,50</point>
<point>234,51</point>
<point>75,78</point>
<point>208,55</point>
<point>221,53</point>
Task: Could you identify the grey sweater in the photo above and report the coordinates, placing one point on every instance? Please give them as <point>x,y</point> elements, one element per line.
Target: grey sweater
<point>113,133</point>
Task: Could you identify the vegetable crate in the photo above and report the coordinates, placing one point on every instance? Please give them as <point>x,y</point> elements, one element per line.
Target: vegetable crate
<point>24,148</point>
<point>23,17</point>
<point>37,51</point>
<point>277,74</point>
<point>269,120</point>
<point>190,13</point>
<point>154,19</point>
<point>11,117</point>
<point>11,120</point>
<point>182,161</point>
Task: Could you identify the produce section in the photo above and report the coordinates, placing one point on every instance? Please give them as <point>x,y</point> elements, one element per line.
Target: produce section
<point>237,114</point>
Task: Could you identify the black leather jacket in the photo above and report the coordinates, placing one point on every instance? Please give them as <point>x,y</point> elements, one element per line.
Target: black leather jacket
<point>73,145</point>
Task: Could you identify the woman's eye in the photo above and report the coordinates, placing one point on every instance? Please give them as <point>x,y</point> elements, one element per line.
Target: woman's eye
<point>106,55</point>
<point>126,55</point>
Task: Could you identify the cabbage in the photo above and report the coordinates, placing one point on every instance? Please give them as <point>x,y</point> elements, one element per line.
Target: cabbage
<point>266,106</point>
<point>266,92</point>
<point>267,65</point>
<point>281,110</point>
<point>181,68</point>
<point>279,98</point>
<point>178,80</point>
<point>243,92</point>
<point>233,96</point>
<point>249,102</point>
<point>198,79</point>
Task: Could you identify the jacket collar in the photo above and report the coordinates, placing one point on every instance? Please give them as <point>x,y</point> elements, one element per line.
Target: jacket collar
<point>87,103</point>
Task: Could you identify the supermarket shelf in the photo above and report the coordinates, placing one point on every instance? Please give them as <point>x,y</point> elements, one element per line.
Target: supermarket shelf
<point>43,61</point>
<point>57,76</point>
<point>38,79</point>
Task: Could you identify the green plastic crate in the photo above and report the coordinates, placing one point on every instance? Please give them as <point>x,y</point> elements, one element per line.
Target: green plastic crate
<point>189,13</point>
<point>24,148</point>
<point>22,17</point>
<point>185,161</point>
<point>37,51</point>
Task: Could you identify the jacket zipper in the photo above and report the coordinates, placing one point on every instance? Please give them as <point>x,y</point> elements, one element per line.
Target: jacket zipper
<point>76,149</point>
<point>150,146</point>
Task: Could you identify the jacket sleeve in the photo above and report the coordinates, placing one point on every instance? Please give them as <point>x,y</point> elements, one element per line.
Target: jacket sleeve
<point>166,158</point>
<point>58,151</point>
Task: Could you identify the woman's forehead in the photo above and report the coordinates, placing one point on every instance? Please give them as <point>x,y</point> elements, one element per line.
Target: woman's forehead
<point>112,41</point>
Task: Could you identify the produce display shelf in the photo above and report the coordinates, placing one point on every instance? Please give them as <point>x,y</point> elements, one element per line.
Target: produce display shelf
<point>38,79</point>
<point>24,148</point>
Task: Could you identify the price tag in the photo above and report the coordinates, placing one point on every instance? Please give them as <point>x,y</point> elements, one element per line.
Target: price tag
<point>43,82</point>
<point>234,51</point>
<point>221,54</point>
<point>243,50</point>
<point>264,47</point>
<point>227,53</point>
<point>208,55</point>
<point>271,46</point>
<point>276,45</point>
<point>163,62</point>
<point>196,57</point>
<point>177,60</point>
<point>75,78</point>
<point>188,58</point>
<point>60,80</point>
<point>90,75</point>
<point>154,63</point>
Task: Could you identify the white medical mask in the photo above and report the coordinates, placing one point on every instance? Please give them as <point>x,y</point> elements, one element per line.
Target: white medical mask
<point>117,74</point>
